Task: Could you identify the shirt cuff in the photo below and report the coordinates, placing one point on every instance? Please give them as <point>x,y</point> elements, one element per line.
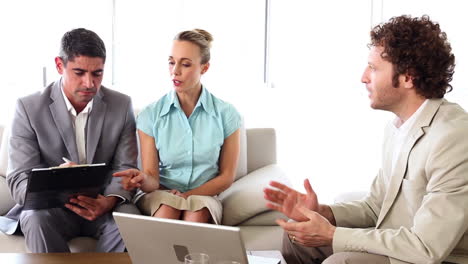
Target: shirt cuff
<point>122,199</point>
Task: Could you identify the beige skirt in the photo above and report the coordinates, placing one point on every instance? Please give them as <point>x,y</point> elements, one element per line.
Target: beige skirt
<point>151,202</point>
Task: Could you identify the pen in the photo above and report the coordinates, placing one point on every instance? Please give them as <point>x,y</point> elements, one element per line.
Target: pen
<point>66,160</point>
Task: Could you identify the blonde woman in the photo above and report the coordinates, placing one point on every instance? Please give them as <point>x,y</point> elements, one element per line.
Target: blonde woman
<point>189,141</point>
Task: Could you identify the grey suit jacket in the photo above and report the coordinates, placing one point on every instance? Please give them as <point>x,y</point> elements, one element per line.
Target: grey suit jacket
<point>418,213</point>
<point>42,133</point>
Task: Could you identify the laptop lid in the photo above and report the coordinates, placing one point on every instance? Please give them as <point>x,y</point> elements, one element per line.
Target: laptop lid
<point>152,240</point>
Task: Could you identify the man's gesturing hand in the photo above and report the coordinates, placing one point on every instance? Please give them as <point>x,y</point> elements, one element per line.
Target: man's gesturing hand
<point>287,200</point>
<point>317,231</point>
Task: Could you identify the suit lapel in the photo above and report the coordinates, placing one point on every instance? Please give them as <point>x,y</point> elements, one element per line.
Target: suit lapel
<point>416,132</point>
<point>399,171</point>
<point>63,121</point>
<point>94,125</point>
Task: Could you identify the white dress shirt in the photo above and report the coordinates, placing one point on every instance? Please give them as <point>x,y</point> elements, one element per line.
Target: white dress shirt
<point>401,132</point>
<point>79,123</point>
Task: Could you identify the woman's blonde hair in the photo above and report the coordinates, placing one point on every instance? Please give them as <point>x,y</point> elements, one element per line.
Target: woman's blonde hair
<point>199,37</point>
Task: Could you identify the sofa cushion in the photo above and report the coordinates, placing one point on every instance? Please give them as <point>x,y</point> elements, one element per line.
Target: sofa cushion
<point>12,244</point>
<point>267,218</point>
<point>244,199</point>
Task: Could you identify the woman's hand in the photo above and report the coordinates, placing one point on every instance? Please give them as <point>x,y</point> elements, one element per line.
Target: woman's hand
<point>131,178</point>
<point>178,193</point>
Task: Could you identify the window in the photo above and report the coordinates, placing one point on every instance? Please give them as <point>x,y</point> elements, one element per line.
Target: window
<point>31,32</point>
<point>326,129</point>
<point>141,58</point>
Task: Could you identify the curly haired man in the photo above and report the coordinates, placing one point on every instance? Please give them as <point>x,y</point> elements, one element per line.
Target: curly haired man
<point>416,209</point>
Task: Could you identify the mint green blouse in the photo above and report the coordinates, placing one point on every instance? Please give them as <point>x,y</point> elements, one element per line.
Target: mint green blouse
<point>189,148</point>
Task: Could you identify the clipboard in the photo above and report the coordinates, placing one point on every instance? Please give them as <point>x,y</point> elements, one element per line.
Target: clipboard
<point>53,187</point>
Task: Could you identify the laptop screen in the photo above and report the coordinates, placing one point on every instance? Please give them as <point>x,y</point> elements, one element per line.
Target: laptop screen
<point>157,240</point>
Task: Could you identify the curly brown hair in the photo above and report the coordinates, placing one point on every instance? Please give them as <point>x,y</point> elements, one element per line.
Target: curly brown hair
<point>418,47</point>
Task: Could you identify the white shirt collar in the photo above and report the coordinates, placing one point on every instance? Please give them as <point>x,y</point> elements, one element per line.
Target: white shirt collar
<point>401,132</point>
<point>406,126</point>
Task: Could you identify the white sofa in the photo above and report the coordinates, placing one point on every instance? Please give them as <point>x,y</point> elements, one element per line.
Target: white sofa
<point>243,202</point>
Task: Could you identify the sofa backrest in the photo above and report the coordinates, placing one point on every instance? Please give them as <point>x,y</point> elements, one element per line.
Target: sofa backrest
<point>242,163</point>
<point>257,149</point>
<point>261,148</point>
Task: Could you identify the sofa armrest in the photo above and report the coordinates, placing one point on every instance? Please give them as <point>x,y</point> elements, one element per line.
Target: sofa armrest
<point>244,199</point>
<point>6,202</point>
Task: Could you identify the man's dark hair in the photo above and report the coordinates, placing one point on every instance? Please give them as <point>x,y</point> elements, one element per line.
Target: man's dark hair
<point>418,47</point>
<point>81,42</point>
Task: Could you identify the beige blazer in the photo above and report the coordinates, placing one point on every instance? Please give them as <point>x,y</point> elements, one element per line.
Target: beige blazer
<point>418,213</point>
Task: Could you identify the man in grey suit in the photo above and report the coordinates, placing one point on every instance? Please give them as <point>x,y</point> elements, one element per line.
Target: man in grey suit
<point>77,119</point>
<point>417,209</point>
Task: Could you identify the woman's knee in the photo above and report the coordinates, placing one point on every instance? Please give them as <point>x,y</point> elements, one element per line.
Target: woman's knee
<point>201,216</point>
<point>166,211</point>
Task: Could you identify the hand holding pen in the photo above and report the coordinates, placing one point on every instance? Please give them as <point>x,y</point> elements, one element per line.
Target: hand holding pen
<point>68,163</point>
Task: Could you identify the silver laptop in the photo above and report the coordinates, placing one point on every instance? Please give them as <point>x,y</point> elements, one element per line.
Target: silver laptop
<point>151,240</point>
